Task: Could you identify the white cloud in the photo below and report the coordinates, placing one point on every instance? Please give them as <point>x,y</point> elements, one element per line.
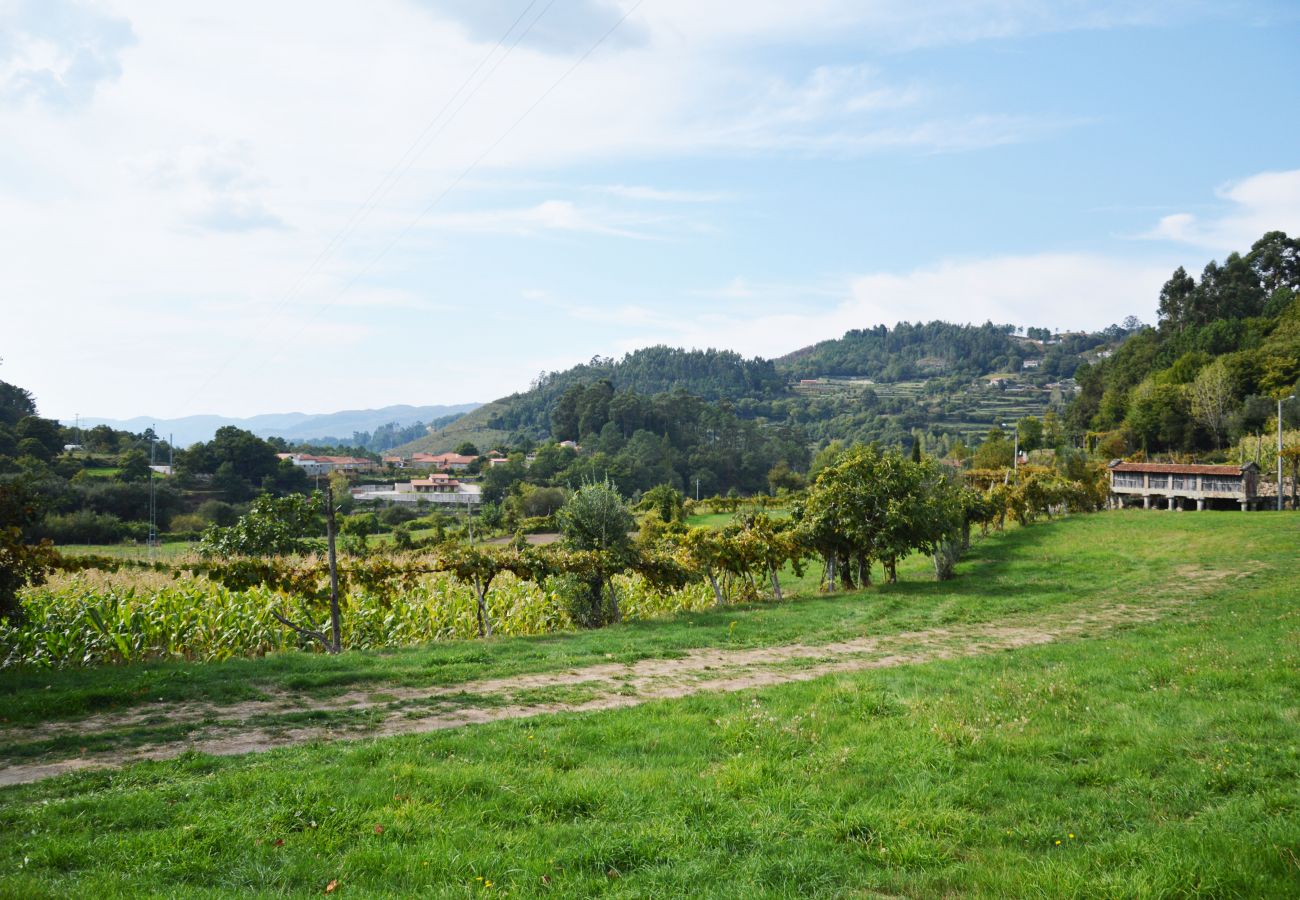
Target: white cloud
<point>1057,290</point>
<point>549,215</point>
<point>58,52</point>
<point>1269,201</point>
<point>660,195</point>
<point>178,181</point>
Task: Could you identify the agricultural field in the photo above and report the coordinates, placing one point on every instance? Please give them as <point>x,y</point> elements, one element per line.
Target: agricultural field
<point>1098,705</point>
<point>969,411</point>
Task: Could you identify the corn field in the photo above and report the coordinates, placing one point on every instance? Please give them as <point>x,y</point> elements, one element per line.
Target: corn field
<point>93,618</point>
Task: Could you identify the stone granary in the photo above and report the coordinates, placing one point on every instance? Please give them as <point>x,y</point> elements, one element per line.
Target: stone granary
<point>1215,487</point>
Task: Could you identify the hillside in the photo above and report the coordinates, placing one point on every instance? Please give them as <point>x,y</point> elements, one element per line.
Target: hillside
<point>940,381</point>
<point>1209,375</point>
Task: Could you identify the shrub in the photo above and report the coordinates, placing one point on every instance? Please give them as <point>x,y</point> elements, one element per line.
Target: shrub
<point>84,527</point>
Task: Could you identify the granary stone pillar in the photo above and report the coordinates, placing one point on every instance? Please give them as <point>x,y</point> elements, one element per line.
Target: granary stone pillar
<point>1173,502</point>
<point>1245,505</point>
<point>1146,501</point>
<point>1200,504</point>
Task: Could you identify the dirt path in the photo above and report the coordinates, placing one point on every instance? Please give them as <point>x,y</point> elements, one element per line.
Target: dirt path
<point>394,710</point>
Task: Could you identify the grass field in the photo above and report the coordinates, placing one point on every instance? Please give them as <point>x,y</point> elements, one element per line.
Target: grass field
<point>1155,755</point>
<point>168,550</point>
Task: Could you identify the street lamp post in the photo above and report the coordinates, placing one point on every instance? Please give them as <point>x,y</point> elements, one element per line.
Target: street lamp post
<point>1280,401</point>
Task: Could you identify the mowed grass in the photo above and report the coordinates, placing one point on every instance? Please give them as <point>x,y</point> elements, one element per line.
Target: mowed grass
<point>1160,760</point>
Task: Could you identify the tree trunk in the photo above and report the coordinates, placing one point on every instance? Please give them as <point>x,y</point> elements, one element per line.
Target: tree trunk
<point>717,591</point>
<point>776,584</point>
<point>846,574</point>
<point>891,569</point>
<point>613,601</point>
<point>830,574</point>
<point>484,621</point>
<point>336,625</point>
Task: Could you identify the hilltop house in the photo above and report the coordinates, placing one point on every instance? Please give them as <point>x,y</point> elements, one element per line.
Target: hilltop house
<point>1175,484</point>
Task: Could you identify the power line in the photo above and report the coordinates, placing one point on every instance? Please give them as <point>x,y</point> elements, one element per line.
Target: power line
<point>399,169</point>
<point>468,169</point>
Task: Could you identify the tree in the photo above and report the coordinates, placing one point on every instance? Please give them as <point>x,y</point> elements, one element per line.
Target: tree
<point>994,453</point>
<point>1174,299</point>
<point>596,519</point>
<point>665,500</point>
<point>1030,432</point>
<point>467,448</point>
<point>274,526</point>
<point>15,404</point>
<point>22,562</point>
<point>44,432</point>
<point>1213,399</point>
<point>133,465</point>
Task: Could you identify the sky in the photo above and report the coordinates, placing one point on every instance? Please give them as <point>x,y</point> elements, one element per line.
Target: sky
<point>251,207</point>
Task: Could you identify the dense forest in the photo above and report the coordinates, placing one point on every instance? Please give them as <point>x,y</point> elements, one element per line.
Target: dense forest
<point>1209,375</point>
<point>706,374</point>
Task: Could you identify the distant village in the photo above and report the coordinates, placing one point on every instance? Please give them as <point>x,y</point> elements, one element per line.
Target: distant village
<point>439,486</point>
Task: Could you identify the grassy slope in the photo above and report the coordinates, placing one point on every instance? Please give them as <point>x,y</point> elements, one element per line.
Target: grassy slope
<point>1163,760</point>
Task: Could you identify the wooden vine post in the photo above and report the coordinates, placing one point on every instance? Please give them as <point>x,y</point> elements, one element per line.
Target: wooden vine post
<point>330,530</point>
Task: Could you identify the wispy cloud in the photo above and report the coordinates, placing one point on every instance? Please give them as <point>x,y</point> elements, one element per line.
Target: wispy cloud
<point>551,216</point>
<point>660,195</point>
<point>1060,290</point>
<point>58,52</point>
<point>1269,201</point>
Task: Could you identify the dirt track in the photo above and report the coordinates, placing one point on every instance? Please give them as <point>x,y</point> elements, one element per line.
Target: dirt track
<point>395,710</point>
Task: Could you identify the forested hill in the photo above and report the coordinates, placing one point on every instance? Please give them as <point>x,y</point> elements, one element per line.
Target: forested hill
<point>706,374</point>
<point>930,381</point>
<point>908,351</point>
<point>1208,377</point>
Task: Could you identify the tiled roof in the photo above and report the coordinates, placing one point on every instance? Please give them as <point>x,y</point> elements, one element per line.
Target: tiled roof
<point>1175,469</point>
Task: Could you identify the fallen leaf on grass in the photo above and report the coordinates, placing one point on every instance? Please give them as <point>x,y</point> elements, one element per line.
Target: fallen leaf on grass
<point>379,829</point>
<point>329,888</point>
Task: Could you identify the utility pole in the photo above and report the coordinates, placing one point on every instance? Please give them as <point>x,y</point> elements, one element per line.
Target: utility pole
<point>153,502</point>
<point>1015,453</point>
<point>1280,401</point>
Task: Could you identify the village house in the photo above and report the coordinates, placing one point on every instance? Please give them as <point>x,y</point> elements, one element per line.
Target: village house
<point>323,465</point>
<point>1174,485</point>
<point>442,461</point>
<point>439,488</point>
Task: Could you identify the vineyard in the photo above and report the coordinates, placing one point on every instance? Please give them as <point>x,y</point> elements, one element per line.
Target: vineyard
<point>869,509</point>
<point>91,618</point>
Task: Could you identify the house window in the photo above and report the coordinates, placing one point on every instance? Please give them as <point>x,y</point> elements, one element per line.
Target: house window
<point>1127,480</point>
<point>1158,482</point>
<point>1179,482</point>
<point>1218,484</point>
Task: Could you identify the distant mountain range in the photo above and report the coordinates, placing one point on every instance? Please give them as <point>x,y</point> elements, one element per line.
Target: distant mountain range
<point>293,427</point>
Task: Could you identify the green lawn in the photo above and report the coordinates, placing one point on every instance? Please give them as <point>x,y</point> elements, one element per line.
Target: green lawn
<point>719,520</point>
<point>168,550</point>
<point>1162,759</point>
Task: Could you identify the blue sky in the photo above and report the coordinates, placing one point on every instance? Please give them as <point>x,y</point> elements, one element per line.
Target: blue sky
<point>319,206</point>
